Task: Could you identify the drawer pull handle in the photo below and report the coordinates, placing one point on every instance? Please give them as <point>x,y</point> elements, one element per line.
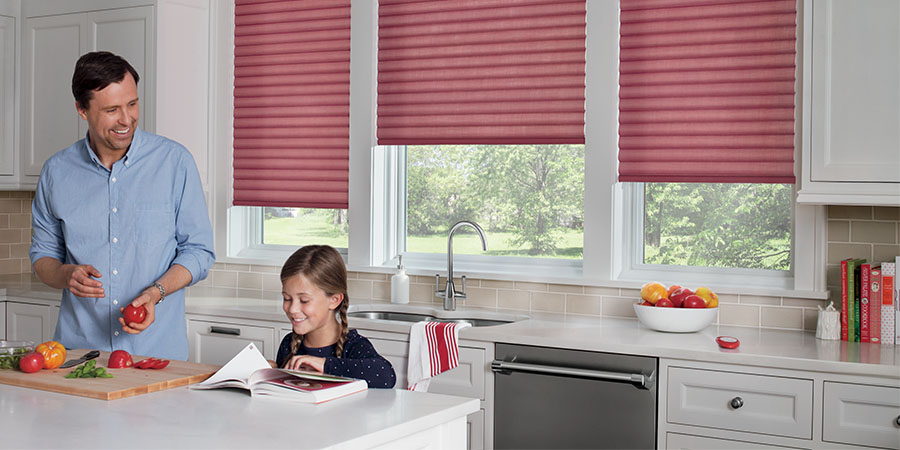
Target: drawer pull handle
<point>737,402</point>
<point>225,330</point>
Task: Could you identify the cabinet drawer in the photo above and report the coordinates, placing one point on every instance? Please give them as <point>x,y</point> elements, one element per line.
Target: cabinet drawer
<point>861,415</point>
<point>218,342</point>
<point>688,442</point>
<point>764,404</point>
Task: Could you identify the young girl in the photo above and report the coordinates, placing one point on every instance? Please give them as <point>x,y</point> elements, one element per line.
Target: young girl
<point>314,286</point>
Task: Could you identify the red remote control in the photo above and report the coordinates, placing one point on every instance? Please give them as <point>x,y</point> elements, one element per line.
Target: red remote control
<point>728,342</point>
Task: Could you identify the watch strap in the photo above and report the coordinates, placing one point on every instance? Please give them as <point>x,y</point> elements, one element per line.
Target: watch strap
<point>162,292</point>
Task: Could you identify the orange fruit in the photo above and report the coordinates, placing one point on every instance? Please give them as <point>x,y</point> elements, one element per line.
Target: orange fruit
<point>653,291</point>
<point>672,289</point>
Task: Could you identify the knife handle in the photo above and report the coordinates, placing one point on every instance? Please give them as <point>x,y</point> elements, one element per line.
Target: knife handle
<point>91,355</point>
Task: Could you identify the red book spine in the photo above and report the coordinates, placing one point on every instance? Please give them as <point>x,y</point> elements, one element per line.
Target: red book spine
<point>844,300</point>
<point>864,275</point>
<point>875,293</point>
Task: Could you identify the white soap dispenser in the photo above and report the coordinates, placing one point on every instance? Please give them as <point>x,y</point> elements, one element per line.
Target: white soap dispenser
<point>400,285</point>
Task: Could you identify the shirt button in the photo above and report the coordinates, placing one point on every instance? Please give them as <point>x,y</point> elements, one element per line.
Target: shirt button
<point>115,302</point>
<point>115,210</point>
<point>113,179</point>
<point>115,271</point>
<point>115,333</point>
<point>115,240</point>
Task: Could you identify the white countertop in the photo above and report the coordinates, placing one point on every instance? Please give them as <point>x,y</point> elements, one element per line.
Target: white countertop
<point>790,349</point>
<point>220,418</point>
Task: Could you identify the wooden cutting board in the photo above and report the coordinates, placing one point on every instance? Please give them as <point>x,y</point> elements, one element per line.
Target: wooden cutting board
<point>125,382</point>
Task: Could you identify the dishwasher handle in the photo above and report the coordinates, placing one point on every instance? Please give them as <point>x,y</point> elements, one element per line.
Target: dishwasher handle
<point>639,379</point>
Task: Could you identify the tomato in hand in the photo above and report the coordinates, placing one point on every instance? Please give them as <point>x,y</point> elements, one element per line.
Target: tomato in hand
<point>134,315</point>
<point>54,354</point>
<point>31,362</point>
<point>119,359</point>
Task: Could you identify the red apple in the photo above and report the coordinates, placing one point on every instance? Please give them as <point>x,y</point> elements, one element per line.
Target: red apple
<point>694,301</point>
<point>666,303</point>
<point>672,289</point>
<point>679,295</point>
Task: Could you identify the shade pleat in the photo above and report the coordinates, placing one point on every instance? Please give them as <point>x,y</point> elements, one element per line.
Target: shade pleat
<point>707,91</point>
<point>481,72</point>
<point>292,103</point>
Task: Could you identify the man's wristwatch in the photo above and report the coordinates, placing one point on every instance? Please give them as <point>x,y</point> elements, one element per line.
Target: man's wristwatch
<point>162,292</point>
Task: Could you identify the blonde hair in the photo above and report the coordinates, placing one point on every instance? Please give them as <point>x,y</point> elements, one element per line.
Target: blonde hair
<point>324,267</point>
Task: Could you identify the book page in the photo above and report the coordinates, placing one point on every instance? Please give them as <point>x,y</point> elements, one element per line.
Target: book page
<point>236,373</point>
<point>296,381</point>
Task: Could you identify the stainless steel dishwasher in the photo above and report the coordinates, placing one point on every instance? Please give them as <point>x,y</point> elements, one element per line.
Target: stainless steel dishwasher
<point>547,398</point>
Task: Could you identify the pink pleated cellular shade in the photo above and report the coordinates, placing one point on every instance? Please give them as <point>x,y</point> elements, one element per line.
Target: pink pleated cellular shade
<point>481,72</point>
<point>291,103</point>
<point>706,91</point>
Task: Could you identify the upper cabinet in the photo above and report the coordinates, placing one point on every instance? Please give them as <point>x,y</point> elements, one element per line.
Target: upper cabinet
<point>167,42</point>
<point>851,103</point>
<point>7,96</point>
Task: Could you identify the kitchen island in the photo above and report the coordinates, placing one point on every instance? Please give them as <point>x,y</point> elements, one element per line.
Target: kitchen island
<point>230,418</point>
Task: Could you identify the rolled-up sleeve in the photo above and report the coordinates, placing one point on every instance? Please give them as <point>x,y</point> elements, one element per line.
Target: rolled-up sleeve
<point>47,236</point>
<point>193,231</point>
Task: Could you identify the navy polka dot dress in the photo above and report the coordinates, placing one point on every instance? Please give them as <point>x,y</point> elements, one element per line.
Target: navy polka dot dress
<point>360,360</point>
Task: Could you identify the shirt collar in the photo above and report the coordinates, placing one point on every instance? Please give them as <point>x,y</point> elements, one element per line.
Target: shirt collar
<point>135,151</point>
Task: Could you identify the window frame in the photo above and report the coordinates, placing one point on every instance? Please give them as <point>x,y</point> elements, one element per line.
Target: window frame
<point>374,202</point>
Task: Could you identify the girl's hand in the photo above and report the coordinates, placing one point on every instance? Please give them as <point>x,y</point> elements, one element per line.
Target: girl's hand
<point>306,362</point>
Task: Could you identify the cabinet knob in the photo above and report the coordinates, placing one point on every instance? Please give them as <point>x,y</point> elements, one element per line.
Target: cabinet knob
<point>737,402</point>
<point>898,421</point>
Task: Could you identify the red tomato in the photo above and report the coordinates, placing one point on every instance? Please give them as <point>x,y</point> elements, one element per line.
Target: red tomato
<point>151,363</point>
<point>160,363</point>
<point>119,359</point>
<point>31,362</point>
<point>694,301</point>
<point>134,315</point>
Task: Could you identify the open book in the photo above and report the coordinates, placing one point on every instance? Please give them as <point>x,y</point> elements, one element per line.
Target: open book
<point>250,370</point>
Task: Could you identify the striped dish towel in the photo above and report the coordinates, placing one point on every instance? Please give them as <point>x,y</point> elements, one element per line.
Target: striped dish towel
<point>433,349</point>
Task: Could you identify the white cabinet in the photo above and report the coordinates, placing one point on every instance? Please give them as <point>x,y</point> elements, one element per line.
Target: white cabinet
<point>851,102</point>
<point>472,378</point>
<point>30,322</point>
<point>51,46</point>
<point>8,40</point>
<point>215,341</point>
<point>167,42</point>
<point>778,408</point>
<point>3,321</point>
<point>862,415</point>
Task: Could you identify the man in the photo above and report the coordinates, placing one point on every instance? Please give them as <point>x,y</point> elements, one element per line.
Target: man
<point>119,217</point>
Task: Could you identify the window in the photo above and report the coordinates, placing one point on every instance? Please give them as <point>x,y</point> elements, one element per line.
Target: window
<point>297,227</point>
<point>717,225</point>
<point>529,199</point>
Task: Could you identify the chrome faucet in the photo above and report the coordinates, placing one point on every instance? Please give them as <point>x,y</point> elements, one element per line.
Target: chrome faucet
<point>450,294</point>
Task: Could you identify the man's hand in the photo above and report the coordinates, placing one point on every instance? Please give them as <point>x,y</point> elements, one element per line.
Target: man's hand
<point>79,280</point>
<point>147,299</point>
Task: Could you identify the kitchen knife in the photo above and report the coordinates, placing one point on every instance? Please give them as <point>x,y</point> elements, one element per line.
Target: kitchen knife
<point>74,362</point>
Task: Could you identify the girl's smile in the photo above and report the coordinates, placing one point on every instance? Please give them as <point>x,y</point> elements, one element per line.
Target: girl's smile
<point>311,311</point>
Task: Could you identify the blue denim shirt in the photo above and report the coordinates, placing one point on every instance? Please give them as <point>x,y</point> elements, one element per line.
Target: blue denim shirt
<point>131,223</point>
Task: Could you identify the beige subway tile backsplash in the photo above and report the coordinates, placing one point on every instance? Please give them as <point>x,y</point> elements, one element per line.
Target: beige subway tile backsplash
<point>875,232</point>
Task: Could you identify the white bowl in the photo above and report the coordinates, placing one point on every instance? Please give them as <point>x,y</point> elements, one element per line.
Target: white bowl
<point>675,320</point>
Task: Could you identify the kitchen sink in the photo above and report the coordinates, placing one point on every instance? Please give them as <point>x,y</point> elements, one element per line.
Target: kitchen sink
<point>414,314</point>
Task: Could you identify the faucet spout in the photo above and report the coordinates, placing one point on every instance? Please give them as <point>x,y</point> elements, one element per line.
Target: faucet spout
<point>450,294</point>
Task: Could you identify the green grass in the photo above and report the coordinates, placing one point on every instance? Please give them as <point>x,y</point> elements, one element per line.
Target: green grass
<point>571,246</point>
<point>316,228</point>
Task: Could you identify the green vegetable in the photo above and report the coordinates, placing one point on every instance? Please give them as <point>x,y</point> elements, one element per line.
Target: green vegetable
<point>11,361</point>
<point>88,370</point>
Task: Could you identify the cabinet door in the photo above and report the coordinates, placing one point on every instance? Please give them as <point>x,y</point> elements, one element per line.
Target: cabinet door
<point>7,95</point>
<point>218,342</point>
<point>861,415</point>
<point>687,442</point>
<point>27,322</point>
<point>855,91</point>
<point>3,322</point>
<point>397,352</point>
<point>51,45</point>
<point>128,32</point>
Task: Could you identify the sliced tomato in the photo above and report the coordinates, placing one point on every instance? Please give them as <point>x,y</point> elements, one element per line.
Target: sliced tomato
<point>160,364</point>
<point>152,363</point>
